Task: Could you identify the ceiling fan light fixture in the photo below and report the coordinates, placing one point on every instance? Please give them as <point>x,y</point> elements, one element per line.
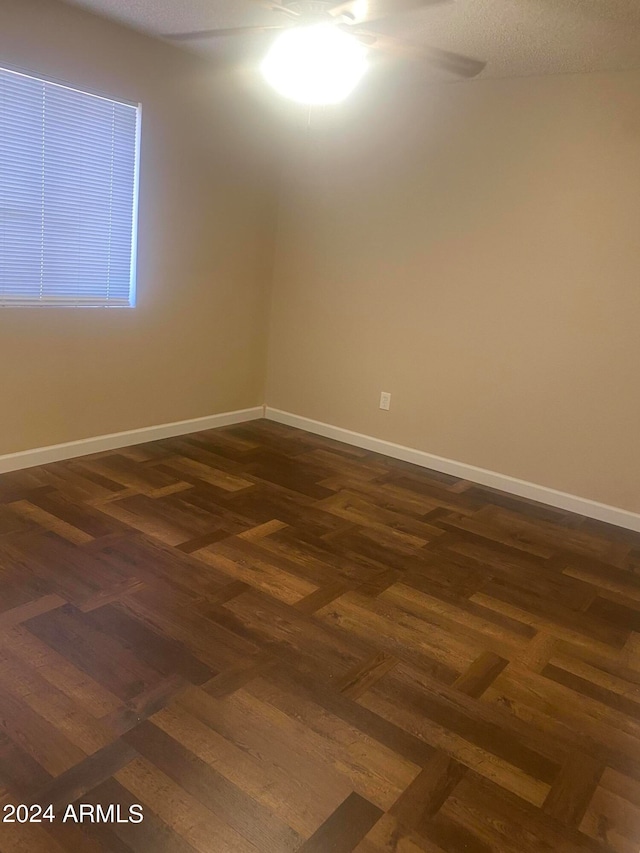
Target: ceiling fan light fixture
<point>317,64</point>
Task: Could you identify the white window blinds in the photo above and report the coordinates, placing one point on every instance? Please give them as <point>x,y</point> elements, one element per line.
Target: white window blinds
<point>68,195</point>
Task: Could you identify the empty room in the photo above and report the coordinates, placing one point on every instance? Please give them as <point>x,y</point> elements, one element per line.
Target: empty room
<point>319,411</point>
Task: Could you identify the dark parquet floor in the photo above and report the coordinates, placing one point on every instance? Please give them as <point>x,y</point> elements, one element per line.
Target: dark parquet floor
<point>275,642</point>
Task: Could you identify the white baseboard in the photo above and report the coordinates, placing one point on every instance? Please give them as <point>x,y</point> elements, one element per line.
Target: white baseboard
<point>85,446</point>
<point>521,488</point>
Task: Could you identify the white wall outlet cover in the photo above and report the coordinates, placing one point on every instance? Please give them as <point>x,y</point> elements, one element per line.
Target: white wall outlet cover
<point>385,400</point>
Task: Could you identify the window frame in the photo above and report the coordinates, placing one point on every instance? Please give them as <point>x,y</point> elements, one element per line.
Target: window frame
<point>133,279</point>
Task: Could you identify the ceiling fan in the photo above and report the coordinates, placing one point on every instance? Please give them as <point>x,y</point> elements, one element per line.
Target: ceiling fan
<point>321,53</point>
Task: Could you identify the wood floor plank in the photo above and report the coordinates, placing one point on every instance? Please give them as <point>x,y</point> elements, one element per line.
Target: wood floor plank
<point>144,705</point>
<point>27,838</point>
<point>345,828</point>
<point>361,678</point>
<point>185,814</point>
<point>17,615</point>
<point>50,522</point>
<point>153,834</point>
<point>480,675</point>
<point>371,768</point>
<point>20,773</point>
<point>254,731</point>
<point>232,805</point>
<point>428,791</point>
<point>297,805</point>
<point>60,672</point>
<point>88,774</point>
<point>25,684</point>
<point>572,791</point>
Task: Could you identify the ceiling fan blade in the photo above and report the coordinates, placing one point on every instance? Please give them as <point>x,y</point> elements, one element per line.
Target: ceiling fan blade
<point>363,11</point>
<point>278,7</point>
<point>455,63</point>
<point>225,33</point>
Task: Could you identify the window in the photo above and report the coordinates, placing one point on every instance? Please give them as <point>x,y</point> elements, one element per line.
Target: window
<point>68,195</point>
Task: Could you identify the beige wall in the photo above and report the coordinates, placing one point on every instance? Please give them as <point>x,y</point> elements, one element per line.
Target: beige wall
<point>195,345</point>
<point>476,252</point>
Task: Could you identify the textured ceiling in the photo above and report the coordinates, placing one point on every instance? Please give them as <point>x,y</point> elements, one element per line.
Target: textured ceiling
<point>515,37</point>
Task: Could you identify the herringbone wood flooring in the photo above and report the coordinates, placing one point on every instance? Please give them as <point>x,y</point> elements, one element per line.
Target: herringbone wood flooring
<point>274,642</point>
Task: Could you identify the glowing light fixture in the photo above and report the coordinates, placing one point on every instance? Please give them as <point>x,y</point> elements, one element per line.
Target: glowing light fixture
<point>317,64</point>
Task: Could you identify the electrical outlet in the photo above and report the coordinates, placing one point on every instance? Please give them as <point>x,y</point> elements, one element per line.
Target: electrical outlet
<point>385,400</point>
